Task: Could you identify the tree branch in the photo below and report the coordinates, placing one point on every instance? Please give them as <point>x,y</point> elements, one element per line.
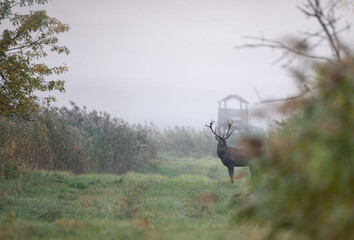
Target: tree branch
<point>274,44</point>
<point>328,32</point>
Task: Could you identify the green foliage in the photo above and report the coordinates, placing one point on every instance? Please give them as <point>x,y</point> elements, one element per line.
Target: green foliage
<point>8,168</point>
<point>21,48</point>
<point>309,168</point>
<point>43,143</point>
<point>73,140</point>
<point>113,145</point>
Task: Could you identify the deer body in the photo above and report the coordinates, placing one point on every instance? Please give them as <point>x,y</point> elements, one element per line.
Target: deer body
<point>229,156</point>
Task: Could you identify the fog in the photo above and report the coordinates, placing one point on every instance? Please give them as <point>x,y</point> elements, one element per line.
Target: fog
<point>169,61</point>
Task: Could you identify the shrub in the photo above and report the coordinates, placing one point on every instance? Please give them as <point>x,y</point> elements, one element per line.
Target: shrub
<point>309,168</point>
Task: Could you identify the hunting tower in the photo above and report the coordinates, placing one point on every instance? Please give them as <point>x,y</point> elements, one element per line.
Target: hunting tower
<point>238,114</point>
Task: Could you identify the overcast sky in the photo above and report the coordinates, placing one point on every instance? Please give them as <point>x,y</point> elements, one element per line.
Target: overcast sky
<point>170,61</point>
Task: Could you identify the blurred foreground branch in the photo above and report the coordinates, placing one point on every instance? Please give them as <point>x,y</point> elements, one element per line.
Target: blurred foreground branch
<point>329,31</point>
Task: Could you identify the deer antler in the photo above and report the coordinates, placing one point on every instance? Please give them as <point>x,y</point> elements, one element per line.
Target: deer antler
<point>228,133</point>
<point>211,128</point>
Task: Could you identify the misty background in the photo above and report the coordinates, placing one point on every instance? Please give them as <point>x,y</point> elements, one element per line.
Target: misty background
<point>169,62</point>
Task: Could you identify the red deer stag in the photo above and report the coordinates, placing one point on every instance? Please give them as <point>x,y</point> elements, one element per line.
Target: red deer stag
<point>230,157</point>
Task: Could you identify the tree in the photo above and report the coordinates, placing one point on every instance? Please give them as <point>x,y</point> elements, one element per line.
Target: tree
<point>22,47</point>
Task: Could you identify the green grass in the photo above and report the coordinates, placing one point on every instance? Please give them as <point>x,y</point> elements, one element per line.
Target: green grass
<point>183,199</point>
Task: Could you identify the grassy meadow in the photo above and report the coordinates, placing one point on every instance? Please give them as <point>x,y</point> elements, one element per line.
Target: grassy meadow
<point>184,198</point>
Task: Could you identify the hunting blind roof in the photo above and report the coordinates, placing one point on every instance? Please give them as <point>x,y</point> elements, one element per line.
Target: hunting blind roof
<point>234,96</point>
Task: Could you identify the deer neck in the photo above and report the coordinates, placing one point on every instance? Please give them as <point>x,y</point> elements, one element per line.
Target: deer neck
<point>221,150</point>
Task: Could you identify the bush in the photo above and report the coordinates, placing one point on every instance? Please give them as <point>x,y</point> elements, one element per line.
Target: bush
<point>309,167</point>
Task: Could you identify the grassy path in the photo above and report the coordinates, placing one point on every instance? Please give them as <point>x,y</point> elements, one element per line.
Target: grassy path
<point>185,199</point>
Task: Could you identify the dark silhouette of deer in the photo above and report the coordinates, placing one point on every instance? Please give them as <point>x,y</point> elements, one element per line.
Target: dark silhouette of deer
<point>230,157</point>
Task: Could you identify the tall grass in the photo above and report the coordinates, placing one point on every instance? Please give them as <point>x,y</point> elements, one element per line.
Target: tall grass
<point>74,140</point>
<point>185,142</point>
<point>81,141</point>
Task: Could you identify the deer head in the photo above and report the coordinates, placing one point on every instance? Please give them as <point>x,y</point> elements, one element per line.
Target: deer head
<point>221,139</point>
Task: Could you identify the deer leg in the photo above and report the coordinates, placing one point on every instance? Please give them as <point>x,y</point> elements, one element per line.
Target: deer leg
<point>231,173</point>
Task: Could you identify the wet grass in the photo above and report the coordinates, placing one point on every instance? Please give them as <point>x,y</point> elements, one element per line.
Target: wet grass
<point>183,199</point>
